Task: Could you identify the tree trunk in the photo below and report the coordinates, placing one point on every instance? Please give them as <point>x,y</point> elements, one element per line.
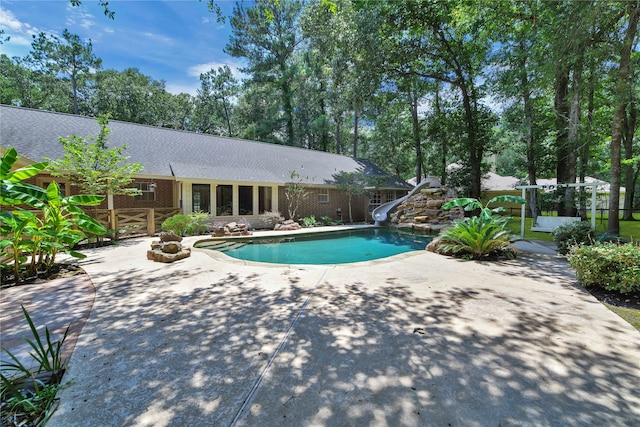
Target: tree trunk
<point>413,106</point>
<point>561,106</point>
<point>575,107</point>
<point>629,174</point>
<point>355,133</point>
<point>339,133</point>
<point>443,145</point>
<point>613,224</point>
<point>528,132</point>
<point>475,151</point>
<point>586,145</point>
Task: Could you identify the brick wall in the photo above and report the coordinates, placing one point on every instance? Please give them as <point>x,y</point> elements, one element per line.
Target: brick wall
<point>337,199</point>
<point>163,193</point>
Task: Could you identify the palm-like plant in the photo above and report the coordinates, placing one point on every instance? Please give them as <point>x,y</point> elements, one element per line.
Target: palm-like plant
<point>478,236</point>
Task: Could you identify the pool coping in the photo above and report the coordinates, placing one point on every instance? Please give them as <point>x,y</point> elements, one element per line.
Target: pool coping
<point>266,234</point>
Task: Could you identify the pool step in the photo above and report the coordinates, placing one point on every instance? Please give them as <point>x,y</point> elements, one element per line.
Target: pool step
<point>222,246</point>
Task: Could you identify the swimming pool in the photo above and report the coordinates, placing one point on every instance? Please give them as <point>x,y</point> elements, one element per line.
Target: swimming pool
<point>321,248</point>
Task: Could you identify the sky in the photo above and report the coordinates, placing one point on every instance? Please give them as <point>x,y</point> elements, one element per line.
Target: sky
<point>173,40</point>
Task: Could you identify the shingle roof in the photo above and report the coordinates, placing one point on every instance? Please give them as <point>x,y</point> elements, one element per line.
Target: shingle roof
<point>183,155</point>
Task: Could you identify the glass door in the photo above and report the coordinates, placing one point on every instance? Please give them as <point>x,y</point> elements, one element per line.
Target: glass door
<point>201,198</point>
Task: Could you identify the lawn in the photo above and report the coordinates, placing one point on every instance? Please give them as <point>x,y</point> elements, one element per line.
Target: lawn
<point>629,230</point>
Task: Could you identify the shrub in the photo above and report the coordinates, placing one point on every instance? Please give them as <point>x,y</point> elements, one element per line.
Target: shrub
<point>177,224</point>
<point>309,221</point>
<point>198,223</point>
<point>477,238</point>
<point>271,218</point>
<point>615,267</point>
<point>326,220</point>
<point>572,234</point>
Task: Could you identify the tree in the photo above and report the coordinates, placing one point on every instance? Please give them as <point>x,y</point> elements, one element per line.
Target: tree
<point>622,88</point>
<point>90,165</point>
<point>214,108</point>
<point>354,184</point>
<point>267,36</point>
<point>68,57</point>
<point>295,193</point>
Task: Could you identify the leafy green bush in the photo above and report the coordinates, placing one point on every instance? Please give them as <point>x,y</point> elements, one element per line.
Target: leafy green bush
<point>612,266</point>
<point>326,220</point>
<point>198,223</point>
<point>572,234</point>
<point>477,238</point>
<point>177,224</point>
<point>309,222</point>
<point>28,394</point>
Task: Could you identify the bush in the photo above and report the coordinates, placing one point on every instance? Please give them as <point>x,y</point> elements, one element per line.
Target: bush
<point>309,222</point>
<point>612,266</point>
<point>477,237</point>
<point>177,224</point>
<point>198,223</point>
<point>572,234</point>
<point>326,220</point>
<point>271,218</point>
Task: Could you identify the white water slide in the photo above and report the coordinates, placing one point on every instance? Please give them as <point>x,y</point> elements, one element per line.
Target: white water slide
<point>381,214</point>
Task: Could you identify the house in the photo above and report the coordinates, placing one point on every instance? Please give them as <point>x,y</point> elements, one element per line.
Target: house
<point>226,177</point>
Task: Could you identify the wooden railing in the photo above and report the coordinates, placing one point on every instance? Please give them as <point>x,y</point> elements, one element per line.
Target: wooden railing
<point>132,222</point>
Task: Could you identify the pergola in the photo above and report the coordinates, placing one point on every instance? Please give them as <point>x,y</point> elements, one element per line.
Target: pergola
<point>550,187</point>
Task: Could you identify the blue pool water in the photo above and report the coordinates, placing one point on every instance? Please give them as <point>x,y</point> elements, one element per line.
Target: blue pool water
<point>328,248</point>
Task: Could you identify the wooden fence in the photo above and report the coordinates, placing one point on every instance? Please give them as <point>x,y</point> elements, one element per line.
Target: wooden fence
<point>132,222</point>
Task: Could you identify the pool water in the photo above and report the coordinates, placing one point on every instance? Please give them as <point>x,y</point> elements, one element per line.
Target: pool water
<point>328,248</point>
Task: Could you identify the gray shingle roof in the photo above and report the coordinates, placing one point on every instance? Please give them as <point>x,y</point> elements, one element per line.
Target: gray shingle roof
<point>184,155</point>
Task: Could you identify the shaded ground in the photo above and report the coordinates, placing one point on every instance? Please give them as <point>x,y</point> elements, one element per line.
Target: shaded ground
<point>422,340</point>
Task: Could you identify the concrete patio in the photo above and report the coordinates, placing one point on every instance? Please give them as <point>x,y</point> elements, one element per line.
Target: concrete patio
<point>415,340</point>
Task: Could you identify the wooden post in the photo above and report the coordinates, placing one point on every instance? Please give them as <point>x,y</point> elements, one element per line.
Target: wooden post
<point>114,224</point>
<point>151,224</point>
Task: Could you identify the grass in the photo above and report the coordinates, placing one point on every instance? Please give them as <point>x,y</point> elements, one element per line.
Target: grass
<point>629,230</point>
<point>631,315</point>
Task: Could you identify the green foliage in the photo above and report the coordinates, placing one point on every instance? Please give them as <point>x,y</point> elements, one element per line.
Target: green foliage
<point>309,221</point>
<point>295,193</point>
<point>327,220</point>
<point>177,224</point>
<point>90,165</point>
<point>572,234</point>
<point>615,267</point>
<point>25,395</point>
<point>13,191</point>
<point>482,236</point>
<point>485,211</point>
<point>31,242</point>
<point>477,238</point>
<point>198,223</point>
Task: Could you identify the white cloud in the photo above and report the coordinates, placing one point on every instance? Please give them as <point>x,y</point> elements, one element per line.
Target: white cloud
<point>20,32</point>
<point>235,66</point>
<point>176,89</point>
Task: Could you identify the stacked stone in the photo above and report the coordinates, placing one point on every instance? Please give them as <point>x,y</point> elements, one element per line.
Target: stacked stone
<point>423,211</point>
<point>168,249</point>
<point>288,225</point>
<point>232,229</point>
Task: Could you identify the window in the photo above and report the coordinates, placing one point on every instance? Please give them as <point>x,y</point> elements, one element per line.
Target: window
<point>224,200</point>
<point>148,190</point>
<point>264,199</point>
<point>64,190</point>
<point>323,196</point>
<point>245,200</point>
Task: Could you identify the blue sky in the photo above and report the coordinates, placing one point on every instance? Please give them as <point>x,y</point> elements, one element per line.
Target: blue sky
<point>172,40</point>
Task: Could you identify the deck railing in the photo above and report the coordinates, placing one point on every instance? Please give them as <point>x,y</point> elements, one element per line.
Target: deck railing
<point>132,222</point>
